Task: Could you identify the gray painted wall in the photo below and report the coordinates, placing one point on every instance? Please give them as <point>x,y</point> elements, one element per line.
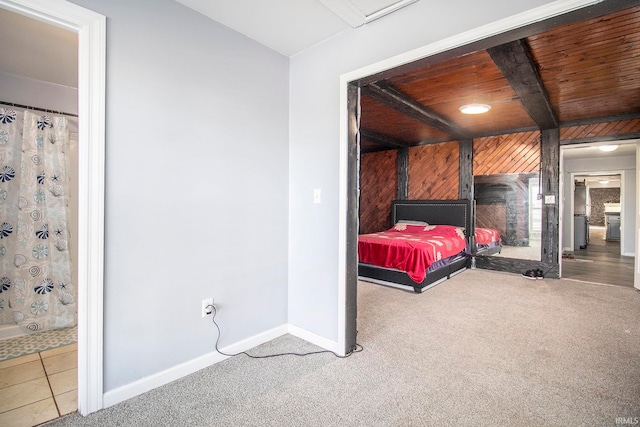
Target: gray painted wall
<point>196,186</point>
<point>314,137</point>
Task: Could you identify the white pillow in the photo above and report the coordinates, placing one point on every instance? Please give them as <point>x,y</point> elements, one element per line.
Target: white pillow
<point>410,222</point>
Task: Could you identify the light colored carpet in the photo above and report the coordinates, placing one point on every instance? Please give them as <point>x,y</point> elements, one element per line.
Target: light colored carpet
<point>484,348</point>
<point>34,343</point>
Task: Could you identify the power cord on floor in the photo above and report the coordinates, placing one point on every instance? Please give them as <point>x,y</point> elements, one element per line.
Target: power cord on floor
<point>357,349</point>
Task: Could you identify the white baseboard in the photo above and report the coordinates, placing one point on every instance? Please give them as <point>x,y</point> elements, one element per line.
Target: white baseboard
<point>146,384</point>
<point>256,340</point>
<point>628,254</point>
<point>313,338</point>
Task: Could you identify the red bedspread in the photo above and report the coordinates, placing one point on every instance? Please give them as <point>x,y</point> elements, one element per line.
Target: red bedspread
<point>485,236</point>
<point>411,248</point>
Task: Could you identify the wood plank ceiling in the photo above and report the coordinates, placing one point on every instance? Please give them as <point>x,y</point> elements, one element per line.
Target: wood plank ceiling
<point>576,73</point>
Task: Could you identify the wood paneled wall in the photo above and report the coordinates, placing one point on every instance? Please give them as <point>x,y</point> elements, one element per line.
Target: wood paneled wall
<point>512,153</point>
<point>378,188</point>
<point>434,171</point>
<point>622,127</point>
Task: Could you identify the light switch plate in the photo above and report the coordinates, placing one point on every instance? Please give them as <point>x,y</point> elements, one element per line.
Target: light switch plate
<point>317,195</point>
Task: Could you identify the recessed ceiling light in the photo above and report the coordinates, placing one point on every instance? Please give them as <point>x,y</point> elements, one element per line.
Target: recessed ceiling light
<point>608,147</point>
<point>475,108</point>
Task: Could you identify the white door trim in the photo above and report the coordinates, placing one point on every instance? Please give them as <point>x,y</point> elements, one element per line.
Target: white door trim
<point>91,29</point>
<point>636,271</point>
<point>623,206</point>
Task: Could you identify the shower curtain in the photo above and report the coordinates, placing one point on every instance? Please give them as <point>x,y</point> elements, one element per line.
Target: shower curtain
<point>36,288</point>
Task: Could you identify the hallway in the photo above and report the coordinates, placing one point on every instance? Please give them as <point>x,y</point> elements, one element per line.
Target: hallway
<point>599,262</point>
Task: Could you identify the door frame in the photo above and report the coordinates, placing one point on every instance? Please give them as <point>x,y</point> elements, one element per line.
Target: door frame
<point>91,30</point>
<point>622,200</point>
<point>346,218</point>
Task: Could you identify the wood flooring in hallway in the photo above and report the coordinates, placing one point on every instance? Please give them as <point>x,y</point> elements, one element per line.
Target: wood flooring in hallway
<point>599,262</point>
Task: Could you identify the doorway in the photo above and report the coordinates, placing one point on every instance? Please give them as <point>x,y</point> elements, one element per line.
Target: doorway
<point>599,213</point>
<point>39,74</point>
<point>91,30</point>
<point>459,45</point>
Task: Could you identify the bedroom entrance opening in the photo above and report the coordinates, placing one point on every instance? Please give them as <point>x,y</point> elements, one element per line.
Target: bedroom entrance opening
<point>401,139</point>
<point>600,212</point>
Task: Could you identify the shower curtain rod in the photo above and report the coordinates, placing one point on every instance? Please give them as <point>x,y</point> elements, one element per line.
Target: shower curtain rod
<point>29,107</point>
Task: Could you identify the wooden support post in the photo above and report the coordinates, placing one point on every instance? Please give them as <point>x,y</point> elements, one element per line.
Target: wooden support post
<point>466,169</point>
<point>403,174</point>
<point>550,189</point>
<point>353,102</point>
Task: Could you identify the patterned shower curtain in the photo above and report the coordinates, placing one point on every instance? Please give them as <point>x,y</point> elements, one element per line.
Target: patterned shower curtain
<point>36,288</point>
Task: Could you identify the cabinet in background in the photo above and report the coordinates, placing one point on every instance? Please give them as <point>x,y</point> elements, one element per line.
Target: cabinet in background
<point>613,225</point>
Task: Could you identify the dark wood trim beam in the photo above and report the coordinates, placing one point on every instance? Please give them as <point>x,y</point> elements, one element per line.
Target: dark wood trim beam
<point>516,63</point>
<point>506,132</point>
<point>550,187</point>
<point>584,122</point>
<point>383,139</point>
<point>353,209</point>
<point>403,174</point>
<point>605,138</point>
<point>599,9</point>
<point>510,265</point>
<point>393,98</point>
<point>466,169</point>
<point>478,135</point>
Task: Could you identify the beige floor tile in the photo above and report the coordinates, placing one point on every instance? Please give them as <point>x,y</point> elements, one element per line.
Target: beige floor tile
<point>64,381</point>
<point>60,362</point>
<point>67,402</point>
<point>20,373</point>
<point>30,415</point>
<point>22,394</point>
<point>59,350</point>
<point>19,360</point>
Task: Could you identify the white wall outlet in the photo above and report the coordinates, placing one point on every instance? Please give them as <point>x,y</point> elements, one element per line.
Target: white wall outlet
<point>207,309</point>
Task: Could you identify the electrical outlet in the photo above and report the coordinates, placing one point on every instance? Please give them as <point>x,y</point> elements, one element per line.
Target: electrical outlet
<point>207,310</point>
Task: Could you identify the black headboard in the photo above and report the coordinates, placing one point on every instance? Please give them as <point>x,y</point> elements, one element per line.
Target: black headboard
<point>435,212</point>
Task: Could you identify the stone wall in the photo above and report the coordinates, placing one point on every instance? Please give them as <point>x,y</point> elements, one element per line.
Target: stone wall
<point>600,196</point>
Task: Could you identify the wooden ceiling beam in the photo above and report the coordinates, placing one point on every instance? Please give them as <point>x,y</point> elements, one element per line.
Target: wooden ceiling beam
<point>385,140</point>
<point>600,8</point>
<point>603,138</point>
<point>516,63</point>
<point>393,98</point>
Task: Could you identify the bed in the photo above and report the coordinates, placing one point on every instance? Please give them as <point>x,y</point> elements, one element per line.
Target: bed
<point>487,241</point>
<point>449,216</point>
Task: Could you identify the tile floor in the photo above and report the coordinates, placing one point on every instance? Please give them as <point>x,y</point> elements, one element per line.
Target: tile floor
<point>39,387</point>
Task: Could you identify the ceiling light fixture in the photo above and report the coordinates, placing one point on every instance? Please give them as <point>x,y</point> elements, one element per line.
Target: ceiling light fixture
<point>608,147</point>
<point>475,108</point>
<point>604,181</point>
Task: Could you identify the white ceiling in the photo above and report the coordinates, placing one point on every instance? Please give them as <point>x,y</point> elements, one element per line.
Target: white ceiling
<point>291,26</point>
<point>592,151</point>
<point>37,50</point>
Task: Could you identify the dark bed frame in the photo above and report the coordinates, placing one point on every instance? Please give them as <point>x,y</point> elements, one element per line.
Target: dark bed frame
<point>434,212</point>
